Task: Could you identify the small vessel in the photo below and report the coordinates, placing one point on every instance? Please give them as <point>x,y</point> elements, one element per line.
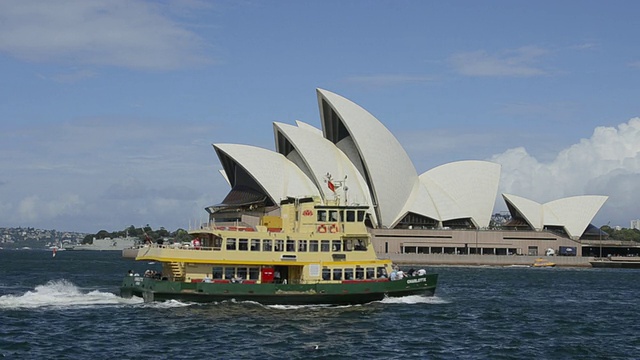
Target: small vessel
<point>106,244</point>
<point>625,262</point>
<point>540,262</point>
<point>312,253</point>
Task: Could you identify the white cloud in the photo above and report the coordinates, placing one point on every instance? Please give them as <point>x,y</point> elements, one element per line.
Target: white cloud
<point>33,208</point>
<point>518,63</point>
<point>108,174</point>
<point>608,163</point>
<point>131,34</point>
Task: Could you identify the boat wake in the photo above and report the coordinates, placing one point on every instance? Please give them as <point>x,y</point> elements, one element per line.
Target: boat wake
<point>414,299</point>
<point>62,294</point>
<point>296,307</point>
<point>169,304</point>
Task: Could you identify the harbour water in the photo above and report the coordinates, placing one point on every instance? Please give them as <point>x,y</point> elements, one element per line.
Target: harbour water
<point>67,308</point>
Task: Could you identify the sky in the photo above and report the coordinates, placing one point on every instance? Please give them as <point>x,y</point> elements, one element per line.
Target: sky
<point>108,108</point>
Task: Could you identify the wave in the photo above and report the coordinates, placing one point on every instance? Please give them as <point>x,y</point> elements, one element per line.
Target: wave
<point>62,294</point>
<point>168,304</point>
<point>414,299</point>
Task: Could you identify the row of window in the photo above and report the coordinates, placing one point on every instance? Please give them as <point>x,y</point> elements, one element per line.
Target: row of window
<point>253,273</point>
<point>232,272</point>
<point>280,245</point>
<point>341,215</point>
<point>353,274</point>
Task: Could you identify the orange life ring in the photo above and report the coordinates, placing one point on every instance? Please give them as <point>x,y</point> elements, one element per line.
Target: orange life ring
<point>322,229</point>
<point>333,228</point>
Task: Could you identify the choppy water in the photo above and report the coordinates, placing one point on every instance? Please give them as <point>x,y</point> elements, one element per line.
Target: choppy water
<point>66,308</point>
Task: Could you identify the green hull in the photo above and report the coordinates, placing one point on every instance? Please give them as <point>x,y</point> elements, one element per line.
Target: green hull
<point>345,293</point>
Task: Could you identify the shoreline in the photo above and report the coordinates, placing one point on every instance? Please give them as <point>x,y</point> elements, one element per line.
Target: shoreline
<point>484,260</point>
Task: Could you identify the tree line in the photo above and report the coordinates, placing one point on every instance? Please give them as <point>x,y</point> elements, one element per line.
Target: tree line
<point>143,233</point>
<point>622,234</point>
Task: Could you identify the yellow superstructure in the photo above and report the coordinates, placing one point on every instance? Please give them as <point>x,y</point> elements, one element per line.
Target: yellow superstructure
<point>308,242</point>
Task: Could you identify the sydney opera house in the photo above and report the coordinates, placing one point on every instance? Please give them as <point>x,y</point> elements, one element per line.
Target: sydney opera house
<point>445,210</point>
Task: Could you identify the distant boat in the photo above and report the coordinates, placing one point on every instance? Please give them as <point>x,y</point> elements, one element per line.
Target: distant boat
<point>543,263</point>
<point>628,262</point>
<point>107,244</point>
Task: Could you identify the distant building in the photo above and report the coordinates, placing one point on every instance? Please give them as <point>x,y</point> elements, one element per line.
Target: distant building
<point>445,210</point>
<point>635,224</point>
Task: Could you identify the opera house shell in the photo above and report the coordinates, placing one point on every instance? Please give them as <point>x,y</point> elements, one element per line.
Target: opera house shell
<point>571,215</point>
<point>355,158</point>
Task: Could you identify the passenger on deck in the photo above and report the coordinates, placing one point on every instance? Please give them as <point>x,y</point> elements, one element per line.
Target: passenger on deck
<point>422,272</point>
<point>206,279</point>
<point>393,276</point>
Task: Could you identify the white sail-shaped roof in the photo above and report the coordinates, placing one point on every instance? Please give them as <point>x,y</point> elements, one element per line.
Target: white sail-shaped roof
<point>464,189</point>
<point>574,213</point>
<point>316,156</point>
<point>275,174</point>
<point>374,151</point>
<point>421,203</point>
<point>530,210</point>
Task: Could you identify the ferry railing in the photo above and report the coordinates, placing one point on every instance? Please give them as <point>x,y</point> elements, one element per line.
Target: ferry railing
<point>187,247</point>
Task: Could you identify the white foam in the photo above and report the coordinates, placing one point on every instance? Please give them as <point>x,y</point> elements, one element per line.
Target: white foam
<point>414,299</point>
<point>168,304</point>
<point>62,294</point>
<point>296,307</point>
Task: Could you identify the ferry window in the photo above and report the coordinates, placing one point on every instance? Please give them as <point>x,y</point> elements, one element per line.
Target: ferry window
<point>254,273</point>
<point>266,245</point>
<point>279,246</point>
<point>351,216</point>
<point>313,245</point>
<point>337,274</point>
<point>359,273</point>
<point>336,245</point>
<point>348,274</point>
<point>381,272</point>
<point>326,274</point>
<point>255,244</point>
<point>347,245</point>
<point>360,215</point>
<point>243,244</point>
<point>291,245</point>
<point>341,215</point>
<point>242,273</point>
<point>302,245</point>
<point>371,273</point>
<point>333,215</point>
<point>322,215</point>
<point>360,245</point>
<point>217,272</point>
<point>231,243</point>
<point>229,272</point>
<point>217,243</point>
<point>324,246</point>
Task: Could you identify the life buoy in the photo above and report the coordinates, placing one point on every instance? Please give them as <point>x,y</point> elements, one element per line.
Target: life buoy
<point>322,229</point>
<point>333,228</point>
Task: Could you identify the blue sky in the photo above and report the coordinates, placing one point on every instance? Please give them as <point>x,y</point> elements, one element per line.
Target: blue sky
<point>109,108</point>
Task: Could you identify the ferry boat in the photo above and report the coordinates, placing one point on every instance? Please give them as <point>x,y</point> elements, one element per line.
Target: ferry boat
<point>311,253</point>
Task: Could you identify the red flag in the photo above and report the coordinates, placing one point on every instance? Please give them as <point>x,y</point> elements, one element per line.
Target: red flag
<point>331,186</point>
